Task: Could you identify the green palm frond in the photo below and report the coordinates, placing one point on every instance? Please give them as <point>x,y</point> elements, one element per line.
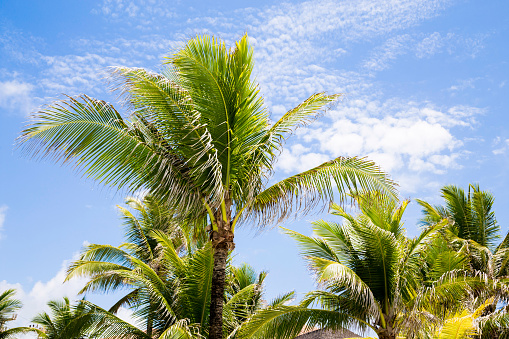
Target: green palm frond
<point>108,325</point>
<point>487,228</point>
<point>181,330</point>
<point>129,300</point>
<point>66,320</point>
<point>282,299</point>
<point>169,109</point>
<point>460,327</point>
<point>199,282</point>
<point>8,305</point>
<point>302,115</point>
<point>136,234</point>
<point>472,214</point>
<point>494,325</point>
<point>283,322</point>
<point>91,134</point>
<point>431,214</point>
<point>304,191</point>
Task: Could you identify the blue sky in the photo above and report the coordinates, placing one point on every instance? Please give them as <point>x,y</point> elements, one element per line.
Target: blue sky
<point>425,87</point>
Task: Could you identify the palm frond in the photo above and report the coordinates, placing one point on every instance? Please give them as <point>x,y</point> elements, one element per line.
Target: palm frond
<point>91,134</point>
<point>13,333</point>
<point>168,107</point>
<point>304,191</point>
<point>285,322</point>
<point>302,115</point>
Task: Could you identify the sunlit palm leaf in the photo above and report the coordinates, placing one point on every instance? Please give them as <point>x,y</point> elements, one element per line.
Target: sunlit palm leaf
<point>304,191</point>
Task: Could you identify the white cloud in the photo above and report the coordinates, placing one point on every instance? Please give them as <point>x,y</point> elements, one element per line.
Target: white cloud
<point>431,45</point>
<point>407,139</point>
<point>298,158</point>
<point>3,210</point>
<point>293,42</point>
<point>350,19</point>
<point>16,97</point>
<point>389,51</point>
<point>73,74</point>
<point>500,146</point>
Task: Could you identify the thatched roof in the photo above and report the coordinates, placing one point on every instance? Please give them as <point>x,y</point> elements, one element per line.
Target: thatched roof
<point>328,334</point>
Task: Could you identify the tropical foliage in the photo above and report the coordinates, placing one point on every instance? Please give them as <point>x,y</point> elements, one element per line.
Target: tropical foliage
<point>65,320</point>
<point>8,308</point>
<point>373,277</point>
<point>168,276</point>
<point>471,239</point>
<point>198,137</point>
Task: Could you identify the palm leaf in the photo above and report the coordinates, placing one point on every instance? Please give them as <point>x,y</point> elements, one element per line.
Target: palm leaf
<point>302,115</point>
<point>93,135</point>
<point>304,191</point>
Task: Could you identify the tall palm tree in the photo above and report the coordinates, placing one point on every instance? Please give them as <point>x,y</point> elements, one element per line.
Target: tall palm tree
<point>371,275</point>
<point>139,264</point>
<point>8,308</point>
<point>199,137</point>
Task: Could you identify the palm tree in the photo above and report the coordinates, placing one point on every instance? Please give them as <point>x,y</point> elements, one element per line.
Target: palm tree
<point>180,290</point>
<point>139,264</point>
<point>371,275</point>
<point>197,136</point>
<point>8,307</point>
<point>104,263</point>
<point>473,228</point>
<point>471,214</point>
<point>473,234</point>
<point>66,321</point>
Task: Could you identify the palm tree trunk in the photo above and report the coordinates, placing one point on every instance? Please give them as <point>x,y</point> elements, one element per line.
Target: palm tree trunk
<point>217,293</point>
<point>222,242</point>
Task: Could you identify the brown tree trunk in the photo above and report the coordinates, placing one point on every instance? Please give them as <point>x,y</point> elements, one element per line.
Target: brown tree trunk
<point>222,242</point>
<point>217,293</point>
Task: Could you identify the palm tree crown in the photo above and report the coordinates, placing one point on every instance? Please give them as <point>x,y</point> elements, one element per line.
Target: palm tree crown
<point>66,321</point>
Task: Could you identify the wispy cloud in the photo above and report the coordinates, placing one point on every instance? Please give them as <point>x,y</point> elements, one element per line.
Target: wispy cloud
<point>143,14</point>
<point>383,56</point>
<point>500,146</point>
<point>464,84</point>
<point>431,44</point>
<point>16,97</point>
<point>73,74</point>
<point>298,48</point>
<point>349,19</point>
